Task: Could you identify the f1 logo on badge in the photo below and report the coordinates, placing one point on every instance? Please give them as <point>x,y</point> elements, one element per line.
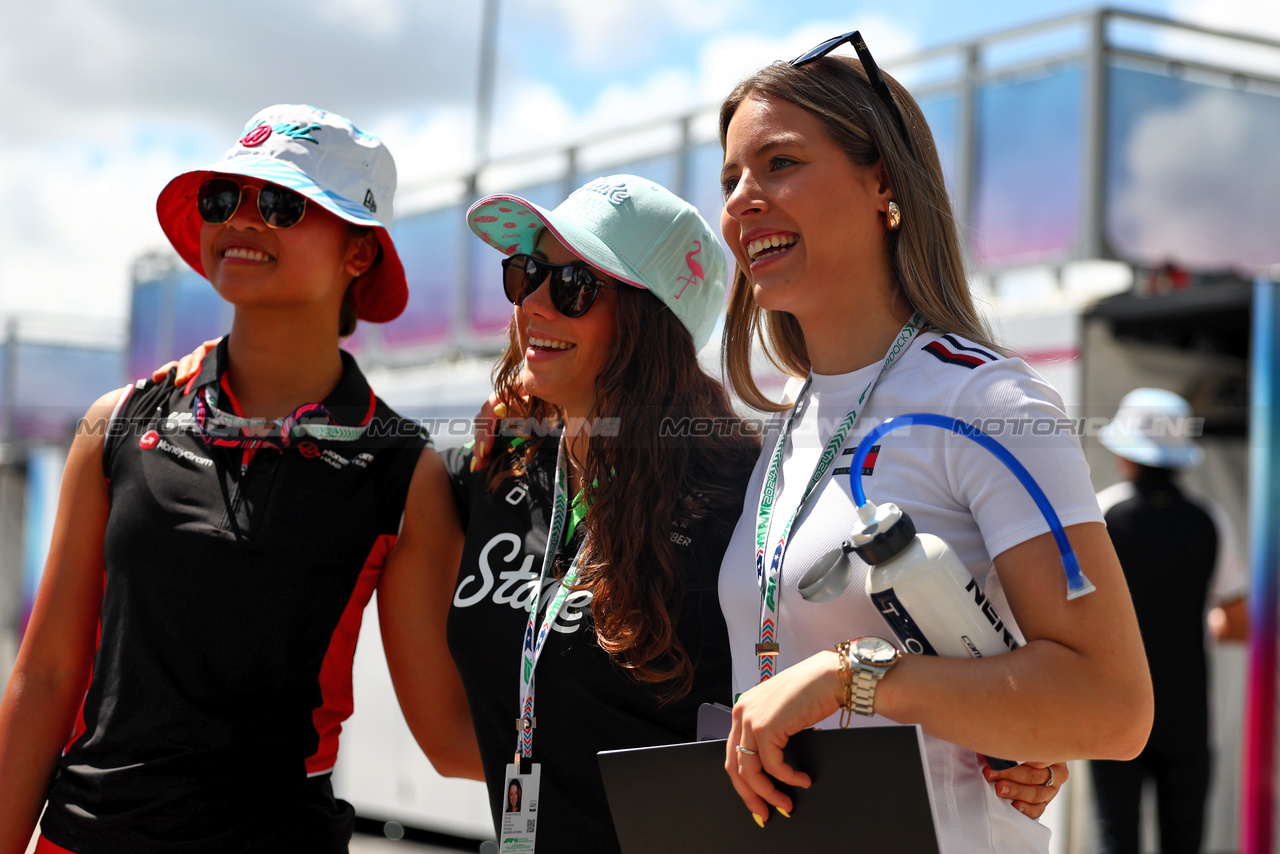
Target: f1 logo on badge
<point>148,440</point>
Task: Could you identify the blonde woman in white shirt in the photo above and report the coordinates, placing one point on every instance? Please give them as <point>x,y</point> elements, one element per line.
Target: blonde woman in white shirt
<point>849,268</point>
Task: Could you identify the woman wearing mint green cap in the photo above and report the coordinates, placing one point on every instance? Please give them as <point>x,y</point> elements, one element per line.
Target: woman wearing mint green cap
<point>189,654</point>
<point>599,508</point>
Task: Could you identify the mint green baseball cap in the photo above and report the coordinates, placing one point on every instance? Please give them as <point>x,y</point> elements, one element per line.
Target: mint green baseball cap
<point>635,230</point>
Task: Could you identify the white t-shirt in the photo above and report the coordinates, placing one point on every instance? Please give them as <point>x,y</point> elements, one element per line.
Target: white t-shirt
<point>952,488</point>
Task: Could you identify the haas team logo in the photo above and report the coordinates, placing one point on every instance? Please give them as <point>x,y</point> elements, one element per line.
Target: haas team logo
<point>256,136</point>
<point>695,269</point>
<point>149,440</point>
<point>308,450</point>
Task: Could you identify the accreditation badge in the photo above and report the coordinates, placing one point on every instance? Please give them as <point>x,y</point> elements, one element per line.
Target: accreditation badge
<point>519,810</point>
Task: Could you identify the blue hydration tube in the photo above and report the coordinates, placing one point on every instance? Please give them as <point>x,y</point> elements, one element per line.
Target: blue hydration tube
<point>1077,584</point>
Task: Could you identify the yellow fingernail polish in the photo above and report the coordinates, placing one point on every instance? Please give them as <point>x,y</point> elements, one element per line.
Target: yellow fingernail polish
<point>500,410</point>
<point>783,812</point>
<point>759,819</point>
<point>473,464</point>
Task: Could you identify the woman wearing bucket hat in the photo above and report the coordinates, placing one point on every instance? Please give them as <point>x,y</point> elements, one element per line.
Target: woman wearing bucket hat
<point>849,269</point>
<point>216,542</point>
<point>1183,565</point>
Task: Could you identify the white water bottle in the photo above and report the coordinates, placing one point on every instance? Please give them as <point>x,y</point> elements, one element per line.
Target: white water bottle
<point>923,591</point>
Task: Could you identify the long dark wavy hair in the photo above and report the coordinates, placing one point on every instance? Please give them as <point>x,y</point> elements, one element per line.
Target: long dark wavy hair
<point>644,480</point>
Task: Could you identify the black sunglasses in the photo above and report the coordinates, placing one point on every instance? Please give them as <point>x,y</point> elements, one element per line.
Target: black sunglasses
<point>868,64</point>
<point>573,286</point>
<point>219,199</point>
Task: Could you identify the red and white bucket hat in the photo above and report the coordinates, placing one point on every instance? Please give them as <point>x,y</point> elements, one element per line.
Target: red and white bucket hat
<point>325,158</point>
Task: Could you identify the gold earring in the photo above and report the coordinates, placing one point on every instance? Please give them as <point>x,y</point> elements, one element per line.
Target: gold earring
<point>894,216</point>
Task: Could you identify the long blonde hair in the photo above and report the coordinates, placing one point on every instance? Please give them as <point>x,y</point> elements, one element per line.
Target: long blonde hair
<point>924,254</point>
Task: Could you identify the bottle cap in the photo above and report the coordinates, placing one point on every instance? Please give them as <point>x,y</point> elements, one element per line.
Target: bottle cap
<point>884,536</point>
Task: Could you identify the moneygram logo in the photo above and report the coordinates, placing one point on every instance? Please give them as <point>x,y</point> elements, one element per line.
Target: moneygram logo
<point>151,439</point>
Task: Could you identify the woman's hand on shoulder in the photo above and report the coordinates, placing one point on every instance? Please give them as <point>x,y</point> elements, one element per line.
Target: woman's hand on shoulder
<point>188,366</point>
<point>1030,786</point>
<point>487,419</point>
<point>765,718</point>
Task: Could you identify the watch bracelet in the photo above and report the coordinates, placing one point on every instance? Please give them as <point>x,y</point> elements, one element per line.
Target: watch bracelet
<point>844,652</point>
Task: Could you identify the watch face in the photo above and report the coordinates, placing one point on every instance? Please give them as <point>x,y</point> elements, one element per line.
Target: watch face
<point>875,650</point>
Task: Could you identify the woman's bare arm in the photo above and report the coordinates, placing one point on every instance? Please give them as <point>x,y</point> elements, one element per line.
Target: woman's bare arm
<point>50,675</point>
<point>413,607</point>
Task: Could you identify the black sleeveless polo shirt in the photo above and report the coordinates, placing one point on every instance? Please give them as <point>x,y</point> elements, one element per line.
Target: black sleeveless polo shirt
<point>235,583</point>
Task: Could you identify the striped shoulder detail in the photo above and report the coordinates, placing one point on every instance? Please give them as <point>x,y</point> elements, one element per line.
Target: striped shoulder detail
<point>955,351</point>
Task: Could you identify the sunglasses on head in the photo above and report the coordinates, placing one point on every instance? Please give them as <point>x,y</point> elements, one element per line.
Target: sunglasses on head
<point>573,286</point>
<point>220,198</point>
<point>874,74</point>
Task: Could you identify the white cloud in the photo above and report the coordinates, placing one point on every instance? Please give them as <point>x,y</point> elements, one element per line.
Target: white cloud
<point>726,60</point>
<point>105,100</point>
<point>1188,200</point>
<point>597,30</point>
<point>84,215</point>
<point>68,63</point>
<point>1252,17</point>
<point>381,19</point>
<point>439,144</point>
<point>1259,17</point>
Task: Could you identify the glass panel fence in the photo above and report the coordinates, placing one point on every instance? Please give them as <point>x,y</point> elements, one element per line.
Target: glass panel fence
<point>1193,172</point>
<point>144,327</point>
<point>1026,206</point>
<point>430,246</point>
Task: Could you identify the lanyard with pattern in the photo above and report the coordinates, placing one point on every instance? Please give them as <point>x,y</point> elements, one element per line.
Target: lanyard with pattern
<point>226,429</point>
<point>767,648</point>
<point>531,649</point>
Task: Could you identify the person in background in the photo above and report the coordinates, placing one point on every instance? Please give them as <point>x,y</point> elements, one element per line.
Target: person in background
<point>850,271</point>
<point>1184,568</point>
<point>187,668</point>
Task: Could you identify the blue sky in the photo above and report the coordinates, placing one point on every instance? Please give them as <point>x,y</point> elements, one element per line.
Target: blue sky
<point>105,100</point>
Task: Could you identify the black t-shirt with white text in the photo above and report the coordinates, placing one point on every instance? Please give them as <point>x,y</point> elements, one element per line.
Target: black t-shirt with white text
<point>585,702</point>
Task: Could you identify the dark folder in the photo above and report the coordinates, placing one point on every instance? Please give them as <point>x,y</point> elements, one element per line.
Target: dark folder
<point>869,796</point>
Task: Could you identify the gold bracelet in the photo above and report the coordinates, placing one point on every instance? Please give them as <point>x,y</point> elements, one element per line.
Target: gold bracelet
<point>843,651</point>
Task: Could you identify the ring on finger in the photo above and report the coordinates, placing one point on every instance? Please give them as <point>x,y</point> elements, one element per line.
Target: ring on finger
<point>751,752</point>
<point>1048,784</point>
